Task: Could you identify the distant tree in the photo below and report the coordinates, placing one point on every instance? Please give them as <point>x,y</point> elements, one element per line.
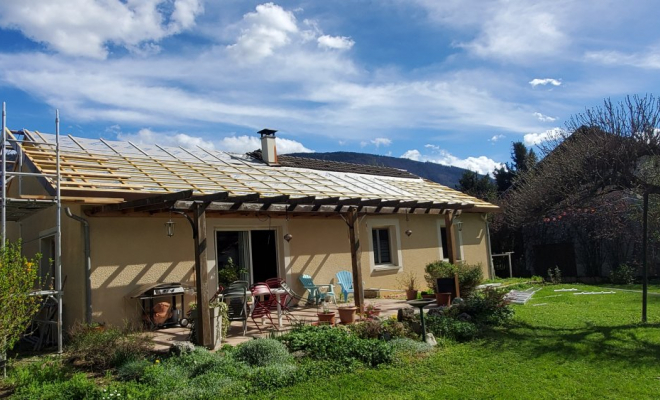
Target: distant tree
<point>522,159</point>
<point>479,186</point>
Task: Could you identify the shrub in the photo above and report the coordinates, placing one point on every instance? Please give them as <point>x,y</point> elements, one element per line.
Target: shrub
<point>132,370</point>
<point>45,371</point>
<point>100,349</point>
<point>18,277</point>
<point>469,276</point>
<point>263,352</point>
<point>380,329</point>
<point>444,326</point>
<point>554,275</point>
<point>76,387</point>
<point>624,274</point>
<point>274,376</point>
<point>410,347</point>
<point>337,344</point>
<point>487,307</point>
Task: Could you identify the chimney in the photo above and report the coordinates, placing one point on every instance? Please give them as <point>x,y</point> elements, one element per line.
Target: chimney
<point>268,150</point>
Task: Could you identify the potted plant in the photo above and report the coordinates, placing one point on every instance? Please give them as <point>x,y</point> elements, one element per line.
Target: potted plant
<point>372,310</point>
<point>428,294</point>
<point>347,313</point>
<point>326,316</point>
<point>409,282</point>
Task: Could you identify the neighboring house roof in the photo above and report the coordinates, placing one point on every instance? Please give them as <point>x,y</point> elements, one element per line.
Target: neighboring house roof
<point>337,166</point>
<point>97,167</point>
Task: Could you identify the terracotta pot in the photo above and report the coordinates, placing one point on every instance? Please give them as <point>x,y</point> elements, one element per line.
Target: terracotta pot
<point>347,314</point>
<point>326,318</point>
<point>443,299</point>
<point>428,296</point>
<point>411,294</point>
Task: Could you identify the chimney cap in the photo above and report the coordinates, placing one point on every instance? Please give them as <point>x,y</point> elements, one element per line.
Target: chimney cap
<point>267,132</point>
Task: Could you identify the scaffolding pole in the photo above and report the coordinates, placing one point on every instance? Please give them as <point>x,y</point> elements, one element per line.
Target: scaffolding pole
<point>4,174</point>
<point>58,234</point>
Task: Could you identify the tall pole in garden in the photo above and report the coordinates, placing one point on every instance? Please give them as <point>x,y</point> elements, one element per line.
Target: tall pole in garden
<point>645,267</point>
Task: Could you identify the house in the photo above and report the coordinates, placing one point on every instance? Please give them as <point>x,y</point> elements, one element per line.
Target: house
<point>274,215</point>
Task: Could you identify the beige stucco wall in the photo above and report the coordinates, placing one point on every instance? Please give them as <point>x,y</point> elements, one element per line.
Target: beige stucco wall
<point>128,252</point>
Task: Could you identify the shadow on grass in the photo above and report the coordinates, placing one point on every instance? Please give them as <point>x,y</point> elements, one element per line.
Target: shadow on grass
<point>632,344</point>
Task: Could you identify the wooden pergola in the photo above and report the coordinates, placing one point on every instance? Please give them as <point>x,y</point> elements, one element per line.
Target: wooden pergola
<point>195,208</point>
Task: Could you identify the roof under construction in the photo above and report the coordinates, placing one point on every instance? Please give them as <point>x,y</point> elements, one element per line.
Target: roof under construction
<point>112,169</point>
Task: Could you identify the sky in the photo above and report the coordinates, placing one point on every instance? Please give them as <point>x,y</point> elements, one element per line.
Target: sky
<point>453,81</point>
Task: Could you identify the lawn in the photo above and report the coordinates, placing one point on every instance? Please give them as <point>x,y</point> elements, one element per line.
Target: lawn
<point>559,345</point>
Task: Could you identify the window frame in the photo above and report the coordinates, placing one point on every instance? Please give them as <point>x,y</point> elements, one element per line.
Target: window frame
<point>394,232</point>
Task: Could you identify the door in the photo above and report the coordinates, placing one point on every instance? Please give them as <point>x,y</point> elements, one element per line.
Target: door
<point>264,255</point>
<point>251,252</point>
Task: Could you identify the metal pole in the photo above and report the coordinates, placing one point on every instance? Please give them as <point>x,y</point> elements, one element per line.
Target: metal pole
<point>510,266</point>
<point>645,267</point>
<point>4,175</point>
<point>58,235</point>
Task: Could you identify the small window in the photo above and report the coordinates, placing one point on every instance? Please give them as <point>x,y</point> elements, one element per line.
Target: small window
<point>381,246</point>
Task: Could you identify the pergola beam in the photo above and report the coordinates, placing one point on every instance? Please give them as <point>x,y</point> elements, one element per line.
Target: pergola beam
<point>149,201</point>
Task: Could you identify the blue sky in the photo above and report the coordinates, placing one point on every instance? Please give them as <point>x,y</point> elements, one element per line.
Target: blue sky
<point>452,81</point>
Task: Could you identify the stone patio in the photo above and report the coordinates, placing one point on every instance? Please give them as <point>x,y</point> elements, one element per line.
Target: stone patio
<point>163,338</point>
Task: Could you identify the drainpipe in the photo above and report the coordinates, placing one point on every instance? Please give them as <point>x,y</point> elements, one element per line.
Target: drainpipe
<point>88,265</point>
<point>491,268</point>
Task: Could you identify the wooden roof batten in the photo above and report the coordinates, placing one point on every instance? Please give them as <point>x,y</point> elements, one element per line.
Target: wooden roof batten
<point>224,202</point>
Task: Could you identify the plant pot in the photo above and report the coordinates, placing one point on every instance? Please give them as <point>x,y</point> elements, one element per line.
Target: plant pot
<point>326,318</point>
<point>428,296</point>
<point>411,294</point>
<point>443,299</point>
<point>347,314</point>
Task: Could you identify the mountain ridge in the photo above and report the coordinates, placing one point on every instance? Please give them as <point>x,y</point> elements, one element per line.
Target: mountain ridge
<point>442,174</point>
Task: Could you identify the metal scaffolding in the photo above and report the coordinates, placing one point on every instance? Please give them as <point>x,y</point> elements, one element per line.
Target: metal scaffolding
<point>16,208</point>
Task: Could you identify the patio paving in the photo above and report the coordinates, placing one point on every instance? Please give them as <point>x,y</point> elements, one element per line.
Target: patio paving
<point>163,338</point>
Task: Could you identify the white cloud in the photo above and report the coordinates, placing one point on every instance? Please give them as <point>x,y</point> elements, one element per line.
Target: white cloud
<point>648,60</point>
<point>544,118</point>
<point>335,42</point>
<point>519,31</point>
<point>243,144</point>
<point>481,164</point>
<point>414,155</point>
<point>86,27</point>
<point>148,136</point>
<point>233,144</point>
<point>543,82</point>
<point>496,138</point>
<point>532,139</point>
<point>381,142</point>
<point>265,30</point>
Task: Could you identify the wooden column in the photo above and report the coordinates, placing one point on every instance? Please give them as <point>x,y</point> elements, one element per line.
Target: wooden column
<point>203,324</point>
<point>353,232</point>
<point>451,238</point>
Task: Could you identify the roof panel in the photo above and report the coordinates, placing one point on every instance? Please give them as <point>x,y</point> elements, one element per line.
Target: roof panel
<point>153,168</point>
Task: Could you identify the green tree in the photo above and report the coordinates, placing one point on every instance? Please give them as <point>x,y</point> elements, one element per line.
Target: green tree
<point>523,160</point>
<point>18,277</point>
<point>479,186</point>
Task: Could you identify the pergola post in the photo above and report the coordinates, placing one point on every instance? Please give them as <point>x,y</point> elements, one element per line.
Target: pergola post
<point>358,290</point>
<point>203,324</point>
<point>451,239</point>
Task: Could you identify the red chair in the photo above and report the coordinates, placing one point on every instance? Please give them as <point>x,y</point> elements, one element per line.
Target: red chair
<point>263,301</point>
<point>284,299</point>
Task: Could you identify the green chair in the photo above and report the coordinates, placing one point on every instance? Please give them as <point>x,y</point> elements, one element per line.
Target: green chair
<point>316,296</point>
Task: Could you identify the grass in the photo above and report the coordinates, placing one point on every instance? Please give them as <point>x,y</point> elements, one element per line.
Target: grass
<point>568,346</point>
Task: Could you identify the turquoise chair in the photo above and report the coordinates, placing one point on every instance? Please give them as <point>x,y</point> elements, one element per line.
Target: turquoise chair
<point>316,296</point>
<point>345,280</point>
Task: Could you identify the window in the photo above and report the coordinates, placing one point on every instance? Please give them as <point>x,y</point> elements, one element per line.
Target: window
<point>384,245</point>
<point>381,246</point>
